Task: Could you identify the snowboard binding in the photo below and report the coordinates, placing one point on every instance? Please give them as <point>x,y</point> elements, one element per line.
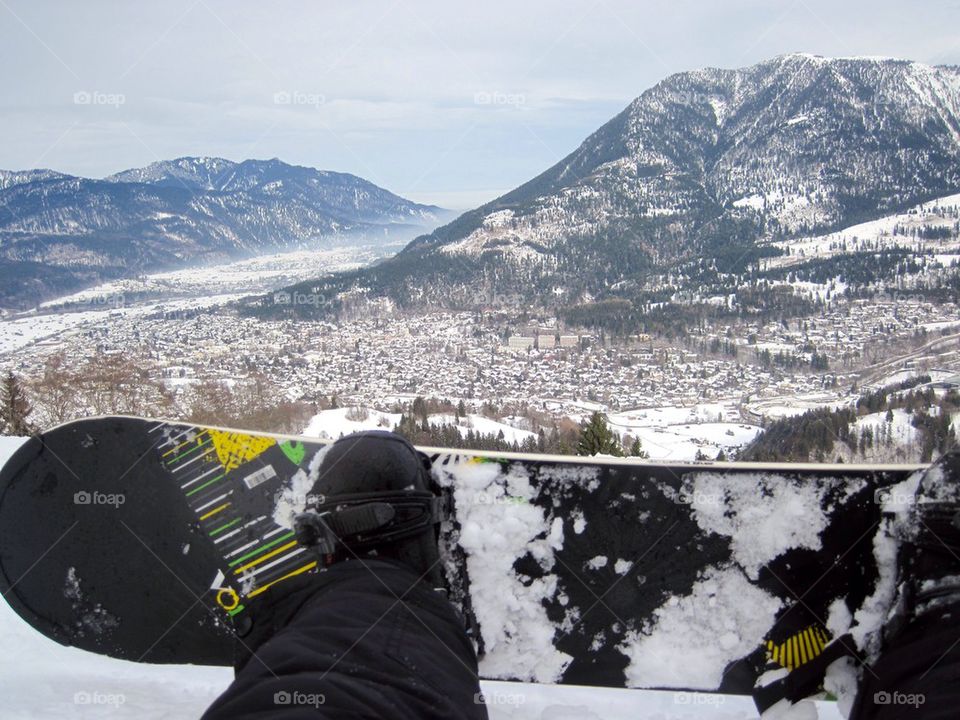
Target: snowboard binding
<point>347,525</point>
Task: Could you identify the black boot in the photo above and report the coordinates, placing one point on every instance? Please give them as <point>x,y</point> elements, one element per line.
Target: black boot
<point>917,673</point>
<point>374,497</point>
<point>930,555</point>
<point>917,649</point>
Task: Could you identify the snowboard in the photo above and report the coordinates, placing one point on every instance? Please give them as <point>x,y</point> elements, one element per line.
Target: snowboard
<point>151,540</point>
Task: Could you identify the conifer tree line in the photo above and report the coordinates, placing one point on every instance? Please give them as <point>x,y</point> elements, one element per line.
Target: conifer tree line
<point>594,436</point>
<point>118,385</point>
<point>829,435</point>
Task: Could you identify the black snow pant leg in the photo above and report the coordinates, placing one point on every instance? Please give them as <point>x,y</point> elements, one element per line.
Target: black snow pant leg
<point>918,674</point>
<point>358,640</point>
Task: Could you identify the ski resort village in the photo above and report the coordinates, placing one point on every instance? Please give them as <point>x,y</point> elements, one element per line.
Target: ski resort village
<point>705,394</point>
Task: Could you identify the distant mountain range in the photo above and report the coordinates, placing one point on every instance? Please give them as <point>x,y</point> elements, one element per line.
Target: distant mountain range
<point>699,174</point>
<point>60,232</point>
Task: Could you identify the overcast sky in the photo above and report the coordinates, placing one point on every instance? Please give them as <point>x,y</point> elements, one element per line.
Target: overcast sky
<point>445,102</point>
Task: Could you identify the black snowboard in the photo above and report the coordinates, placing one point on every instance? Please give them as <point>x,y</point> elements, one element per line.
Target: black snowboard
<point>148,540</point>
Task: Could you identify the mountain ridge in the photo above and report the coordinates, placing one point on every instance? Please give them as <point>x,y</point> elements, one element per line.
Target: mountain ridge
<point>710,166</point>
<point>62,232</point>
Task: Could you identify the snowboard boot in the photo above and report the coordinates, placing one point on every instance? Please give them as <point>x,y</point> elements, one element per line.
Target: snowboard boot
<point>374,498</point>
<point>917,671</point>
<point>925,527</point>
<point>929,561</point>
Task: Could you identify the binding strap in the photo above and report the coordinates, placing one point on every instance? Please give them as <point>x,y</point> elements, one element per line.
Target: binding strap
<point>361,521</point>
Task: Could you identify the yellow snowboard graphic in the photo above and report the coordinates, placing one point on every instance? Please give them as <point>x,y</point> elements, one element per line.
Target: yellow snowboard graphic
<point>234,449</point>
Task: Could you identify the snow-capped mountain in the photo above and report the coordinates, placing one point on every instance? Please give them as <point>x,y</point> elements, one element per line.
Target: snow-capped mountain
<point>10,178</point>
<point>348,196</point>
<point>710,165</point>
<point>60,232</point>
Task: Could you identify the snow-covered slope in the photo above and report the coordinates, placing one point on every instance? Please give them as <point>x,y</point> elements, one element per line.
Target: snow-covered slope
<point>903,229</point>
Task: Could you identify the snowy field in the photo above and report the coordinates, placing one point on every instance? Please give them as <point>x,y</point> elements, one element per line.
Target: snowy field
<point>42,679</point>
<point>29,328</point>
<point>881,233</point>
<point>331,424</point>
<point>666,433</point>
<point>254,275</point>
<point>188,289</point>
<point>678,433</point>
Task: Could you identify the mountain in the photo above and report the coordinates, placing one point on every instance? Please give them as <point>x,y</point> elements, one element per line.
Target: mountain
<point>695,179</point>
<point>60,232</point>
<point>19,177</point>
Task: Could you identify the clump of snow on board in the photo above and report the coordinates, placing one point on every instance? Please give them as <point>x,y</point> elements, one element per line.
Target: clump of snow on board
<point>499,525</point>
<point>898,505</point>
<point>763,514</point>
<point>292,498</point>
<point>866,624</point>
<point>693,638</point>
<point>90,617</point>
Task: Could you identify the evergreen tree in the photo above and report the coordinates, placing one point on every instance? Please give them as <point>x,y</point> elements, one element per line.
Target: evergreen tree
<point>596,437</point>
<point>636,449</point>
<point>14,408</point>
<point>419,409</point>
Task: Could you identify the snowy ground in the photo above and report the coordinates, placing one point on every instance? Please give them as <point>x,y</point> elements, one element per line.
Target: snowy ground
<point>253,275</point>
<point>679,433</point>
<point>775,408</point>
<point>191,288</point>
<point>880,233</point>
<point>45,680</point>
<point>666,433</point>
<point>331,424</point>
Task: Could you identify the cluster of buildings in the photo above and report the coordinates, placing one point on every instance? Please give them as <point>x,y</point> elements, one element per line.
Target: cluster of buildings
<point>376,360</point>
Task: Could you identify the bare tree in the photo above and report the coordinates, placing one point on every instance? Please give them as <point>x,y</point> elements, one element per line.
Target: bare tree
<point>54,392</point>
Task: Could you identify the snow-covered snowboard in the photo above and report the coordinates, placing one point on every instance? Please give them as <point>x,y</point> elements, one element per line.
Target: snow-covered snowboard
<point>149,540</point>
